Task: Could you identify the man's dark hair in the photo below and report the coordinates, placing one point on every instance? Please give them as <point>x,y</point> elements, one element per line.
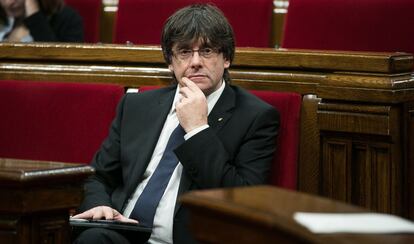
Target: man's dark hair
<point>198,22</point>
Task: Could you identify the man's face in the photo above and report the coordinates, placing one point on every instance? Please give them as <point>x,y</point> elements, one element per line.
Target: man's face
<point>13,8</point>
<point>203,65</point>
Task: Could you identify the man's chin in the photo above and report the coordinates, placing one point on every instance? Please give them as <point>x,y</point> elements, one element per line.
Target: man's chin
<point>206,90</point>
<point>202,84</point>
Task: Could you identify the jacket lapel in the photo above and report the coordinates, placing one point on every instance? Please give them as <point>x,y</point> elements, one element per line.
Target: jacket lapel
<point>155,117</point>
<point>222,111</point>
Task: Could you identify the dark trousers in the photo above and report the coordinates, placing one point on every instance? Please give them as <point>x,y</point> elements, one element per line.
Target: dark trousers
<point>101,236</point>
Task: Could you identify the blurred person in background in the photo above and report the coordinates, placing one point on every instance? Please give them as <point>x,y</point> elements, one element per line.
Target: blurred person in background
<point>39,20</point>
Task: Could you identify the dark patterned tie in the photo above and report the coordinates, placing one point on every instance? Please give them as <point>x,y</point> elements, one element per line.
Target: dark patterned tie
<point>147,202</point>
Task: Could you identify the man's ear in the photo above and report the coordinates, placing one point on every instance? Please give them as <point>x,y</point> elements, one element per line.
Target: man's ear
<point>226,64</point>
<point>170,67</point>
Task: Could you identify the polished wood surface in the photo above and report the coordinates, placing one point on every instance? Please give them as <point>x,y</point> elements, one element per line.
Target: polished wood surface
<point>278,21</point>
<point>37,197</point>
<point>264,214</point>
<point>16,172</point>
<point>356,142</point>
<point>252,57</point>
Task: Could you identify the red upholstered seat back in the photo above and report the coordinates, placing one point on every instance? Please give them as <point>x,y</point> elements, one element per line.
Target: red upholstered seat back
<point>284,171</point>
<point>141,21</point>
<point>284,166</point>
<point>90,11</point>
<point>353,25</point>
<point>55,121</point>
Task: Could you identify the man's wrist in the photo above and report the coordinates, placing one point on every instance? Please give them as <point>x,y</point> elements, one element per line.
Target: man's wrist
<point>195,131</point>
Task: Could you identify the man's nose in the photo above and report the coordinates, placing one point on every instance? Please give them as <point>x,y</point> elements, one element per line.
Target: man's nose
<point>195,59</point>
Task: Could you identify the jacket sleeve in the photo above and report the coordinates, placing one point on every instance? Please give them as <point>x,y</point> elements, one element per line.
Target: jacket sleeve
<point>207,162</point>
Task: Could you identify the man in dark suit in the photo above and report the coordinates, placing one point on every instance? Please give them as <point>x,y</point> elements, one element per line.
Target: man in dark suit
<point>229,134</point>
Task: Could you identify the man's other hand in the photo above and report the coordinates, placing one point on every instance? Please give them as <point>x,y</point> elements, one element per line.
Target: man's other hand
<point>103,212</point>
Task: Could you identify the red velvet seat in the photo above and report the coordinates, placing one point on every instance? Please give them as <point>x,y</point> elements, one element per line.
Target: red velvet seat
<point>284,166</point>
<point>284,171</point>
<point>141,21</point>
<point>353,25</point>
<point>90,11</point>
<point>55,121</point>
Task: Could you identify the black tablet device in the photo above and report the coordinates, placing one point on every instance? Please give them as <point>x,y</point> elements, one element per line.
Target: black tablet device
<point>136,232</point>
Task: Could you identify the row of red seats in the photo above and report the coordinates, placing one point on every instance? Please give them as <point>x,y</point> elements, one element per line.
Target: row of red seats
<point>67,122</point>
<point>368,25</point>
<point>90,11</point>
<point>141,21</point>
<point>351,25</point>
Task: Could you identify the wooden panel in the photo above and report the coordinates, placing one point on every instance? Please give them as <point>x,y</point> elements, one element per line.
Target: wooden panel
<point>309,168</point>
<point>369,119</point>
<point>409,154</point>
<point>361,172</point>
<point>371,177</point>
<point>305,59</point>
<point>37,197</point>
<point>381,168</point>
<point>361,176</point>
<point>334,168</point>
<point>51,229</point>
<point>245,57</point>
<point>366,140</point>
<point>34,199</point>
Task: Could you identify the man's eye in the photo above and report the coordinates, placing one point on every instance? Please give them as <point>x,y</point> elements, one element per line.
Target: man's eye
<point>207,51</point>
<point>185,52</point>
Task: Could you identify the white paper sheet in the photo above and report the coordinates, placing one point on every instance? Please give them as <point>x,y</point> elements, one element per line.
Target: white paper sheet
<point>354,223</point>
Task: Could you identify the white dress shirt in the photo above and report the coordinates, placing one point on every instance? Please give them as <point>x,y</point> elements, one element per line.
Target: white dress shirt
<point>164,215</point>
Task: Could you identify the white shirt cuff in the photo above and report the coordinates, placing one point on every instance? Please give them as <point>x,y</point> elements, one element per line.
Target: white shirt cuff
<point>195,131</point>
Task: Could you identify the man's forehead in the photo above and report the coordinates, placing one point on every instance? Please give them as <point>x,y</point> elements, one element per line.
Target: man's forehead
<point>192,44</point>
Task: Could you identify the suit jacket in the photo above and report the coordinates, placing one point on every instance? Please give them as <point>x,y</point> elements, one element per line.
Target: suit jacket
<point>236,150</point>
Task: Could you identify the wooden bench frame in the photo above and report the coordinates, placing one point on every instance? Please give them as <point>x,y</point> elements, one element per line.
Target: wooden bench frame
<point>357,121</point>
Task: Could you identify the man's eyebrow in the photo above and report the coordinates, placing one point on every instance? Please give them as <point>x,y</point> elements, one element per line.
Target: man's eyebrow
<point>183,46</point>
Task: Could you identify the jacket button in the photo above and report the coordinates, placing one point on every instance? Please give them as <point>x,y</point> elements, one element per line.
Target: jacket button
<point>193,171</point>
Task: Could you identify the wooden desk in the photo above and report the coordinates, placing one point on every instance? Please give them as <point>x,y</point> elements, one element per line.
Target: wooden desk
<point>263,214</point>
<point>36,199</point>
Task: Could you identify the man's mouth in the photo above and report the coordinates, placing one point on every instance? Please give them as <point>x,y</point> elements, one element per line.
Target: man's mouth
<point>196,76</point>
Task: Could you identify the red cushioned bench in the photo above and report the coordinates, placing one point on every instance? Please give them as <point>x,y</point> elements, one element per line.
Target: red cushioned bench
<point>90,11</point>
<point>54,121</point>
<point>141,21</point>
<point>351,25</point>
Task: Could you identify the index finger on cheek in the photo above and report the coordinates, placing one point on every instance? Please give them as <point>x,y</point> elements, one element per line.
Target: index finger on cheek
<point>192,86</point>
<point>183,82</point>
